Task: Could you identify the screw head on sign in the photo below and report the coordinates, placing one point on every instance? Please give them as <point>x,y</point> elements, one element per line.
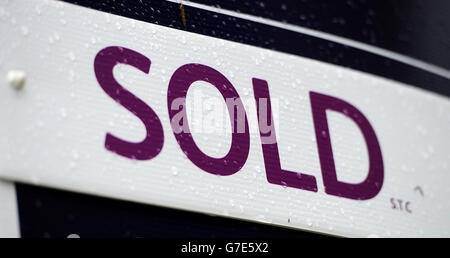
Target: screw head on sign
<point>16,79</point>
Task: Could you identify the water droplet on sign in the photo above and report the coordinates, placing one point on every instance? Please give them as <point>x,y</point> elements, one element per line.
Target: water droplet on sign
<point>24,30</point>
<point>174,171</point>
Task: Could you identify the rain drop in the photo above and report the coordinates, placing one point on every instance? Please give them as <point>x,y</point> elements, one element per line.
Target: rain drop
<point>71,56</point>
<point>174,171</point>
<point>73,236</point>
<point>24,30</point>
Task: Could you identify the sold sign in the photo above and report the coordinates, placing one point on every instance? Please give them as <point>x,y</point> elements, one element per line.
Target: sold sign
<point>234,160</point>
<point>280,137</point>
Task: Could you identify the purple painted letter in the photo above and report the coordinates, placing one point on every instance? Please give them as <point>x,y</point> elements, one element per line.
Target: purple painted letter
<point>374,181</point>
<point>153,142</point>
<point>275,174</point>
<point>240,143</point>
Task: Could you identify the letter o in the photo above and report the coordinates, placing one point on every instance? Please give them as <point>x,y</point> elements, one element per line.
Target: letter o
<point>179,84</point>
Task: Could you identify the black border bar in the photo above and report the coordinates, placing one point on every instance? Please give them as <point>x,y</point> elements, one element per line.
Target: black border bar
<point>415,28</point>
<point>50,213</point>
<point>252,33</point>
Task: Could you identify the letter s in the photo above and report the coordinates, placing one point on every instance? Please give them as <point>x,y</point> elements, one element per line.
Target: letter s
<point>153,142</point>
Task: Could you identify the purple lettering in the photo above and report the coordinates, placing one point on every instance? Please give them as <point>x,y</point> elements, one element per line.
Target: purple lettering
<point>407,207</point>
<point>153,142</point>
<point>371,186</point>
<point>234,160</point>
<point>179,84</point>
<point>275,174</point>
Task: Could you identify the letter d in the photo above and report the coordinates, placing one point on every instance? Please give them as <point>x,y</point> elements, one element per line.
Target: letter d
<point>371,186</point>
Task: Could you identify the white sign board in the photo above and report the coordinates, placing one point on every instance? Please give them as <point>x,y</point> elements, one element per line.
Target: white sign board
<point>9,220</point>
<point>104,97</point>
